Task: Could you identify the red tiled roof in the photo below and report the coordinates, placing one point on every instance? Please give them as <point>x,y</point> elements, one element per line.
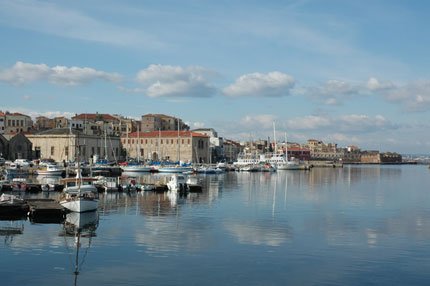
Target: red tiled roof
<point>155,134</point>
<point>18,114</point>
<point>24,132</point>
<point>91,116</point>
<point>2,114</point>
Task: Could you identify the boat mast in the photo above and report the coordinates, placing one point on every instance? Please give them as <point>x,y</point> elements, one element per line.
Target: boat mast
<point>179,146</point>
<point>274,138</point>
<point>126,149</point>
<point>138,141</point>
<point>106,153</point>
<point>286,146</point>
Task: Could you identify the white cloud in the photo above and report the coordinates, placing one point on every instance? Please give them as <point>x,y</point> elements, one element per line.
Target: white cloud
<point>333,92</point>
<point>175,81</point>
<point>351,123</point>
<point>198,125</point>
<point>374,84</point>
<point>23,73</point>
<point>261,85</point>
<point>413,96</point>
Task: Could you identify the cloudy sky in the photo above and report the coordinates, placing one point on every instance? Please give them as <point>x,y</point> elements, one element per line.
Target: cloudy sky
<point>350,72</point>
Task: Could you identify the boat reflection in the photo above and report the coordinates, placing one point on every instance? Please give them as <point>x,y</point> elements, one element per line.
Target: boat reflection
<point>81,228</point>
<point>11,228</point>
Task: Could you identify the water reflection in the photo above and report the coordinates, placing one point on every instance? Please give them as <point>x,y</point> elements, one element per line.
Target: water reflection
<point>336,226</point>
<point>78,232</point>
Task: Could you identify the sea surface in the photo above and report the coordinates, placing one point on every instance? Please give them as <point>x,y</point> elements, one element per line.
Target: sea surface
<point>357,225</point>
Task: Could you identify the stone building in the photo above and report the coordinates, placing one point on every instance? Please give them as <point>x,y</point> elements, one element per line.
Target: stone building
<point>3,147</point>
<point>17,122</point>
<point>370,157</point>
<point>231,150</point>
<point>163,145</point>
<point>61,144</point>
<point>18,147</point>
<point>155,122</point>
<point>2,122</point>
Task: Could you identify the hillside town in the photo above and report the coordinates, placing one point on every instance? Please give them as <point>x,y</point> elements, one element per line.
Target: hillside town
<point>155,137</point>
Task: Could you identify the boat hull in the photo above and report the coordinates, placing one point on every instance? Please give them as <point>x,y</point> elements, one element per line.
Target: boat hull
<point>49,173</point>
<point>80,204</point>
<point>136,169</point>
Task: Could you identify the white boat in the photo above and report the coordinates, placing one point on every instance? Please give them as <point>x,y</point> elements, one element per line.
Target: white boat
<point>15,169</point>
<point>175,169</point>
<point>80,195</point>
<point>10,199</point>
<point>177,183</point>
<point>136,168</point>
<point>52,170</point>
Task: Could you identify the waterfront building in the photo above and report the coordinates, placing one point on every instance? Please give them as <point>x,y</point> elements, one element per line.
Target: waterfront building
<point>16,146</point>
<point>3,147</point>
<point>2,121</point>
<point>231,150</point>
<point>163,145</point>
<point>216,143</point>
<point>156,122</point>
<point>374,157</point>
<point>17,122</point>
<point>61,145</point>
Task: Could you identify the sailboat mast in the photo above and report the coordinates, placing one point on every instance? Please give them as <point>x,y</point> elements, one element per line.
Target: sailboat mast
<point>126,149</point>
<point>138,141</point>
<point>179,146</point>
<point>274,138</point>
<point>286,146</point>
<point>106,153</point>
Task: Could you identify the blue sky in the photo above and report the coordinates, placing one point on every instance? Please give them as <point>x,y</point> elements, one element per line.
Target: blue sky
<point>350,72</point>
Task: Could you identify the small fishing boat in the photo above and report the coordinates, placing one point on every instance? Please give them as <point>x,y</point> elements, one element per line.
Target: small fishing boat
<point>50,170</point>
<point>177,183</point>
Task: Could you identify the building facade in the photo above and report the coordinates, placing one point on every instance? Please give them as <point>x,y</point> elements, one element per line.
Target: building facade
<point>17,122</point>
<point>156,122</point>
<point>2,122</point>
<point>63,145</point>
<point>189,146</point>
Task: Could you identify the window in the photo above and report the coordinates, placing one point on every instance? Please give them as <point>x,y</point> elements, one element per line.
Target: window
<point>146,141</point>
<point>13,122</point>
<point>161,141</point>
<point>98,151</point>
<point>171,141</point>
<point>183,141</point>
<point>8,123</point>
<point>92,151</point>
<point>66,151</point>
<point>188,141</point>
<point>22,122</point>
<point>141,141</point>
<point>167,141</point>
<point>52,150</point>
<point>141,152</point>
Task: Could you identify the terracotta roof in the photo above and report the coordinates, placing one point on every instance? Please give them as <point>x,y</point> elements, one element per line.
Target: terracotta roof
<point>24,132</point>
<point>2,114</point>
<point>353,147</point>
<point>18,114</point>
<point>155,134</point>
<point>93,116</point>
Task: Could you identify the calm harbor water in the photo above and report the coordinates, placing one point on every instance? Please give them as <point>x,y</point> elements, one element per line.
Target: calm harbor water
<point>355,225</point>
